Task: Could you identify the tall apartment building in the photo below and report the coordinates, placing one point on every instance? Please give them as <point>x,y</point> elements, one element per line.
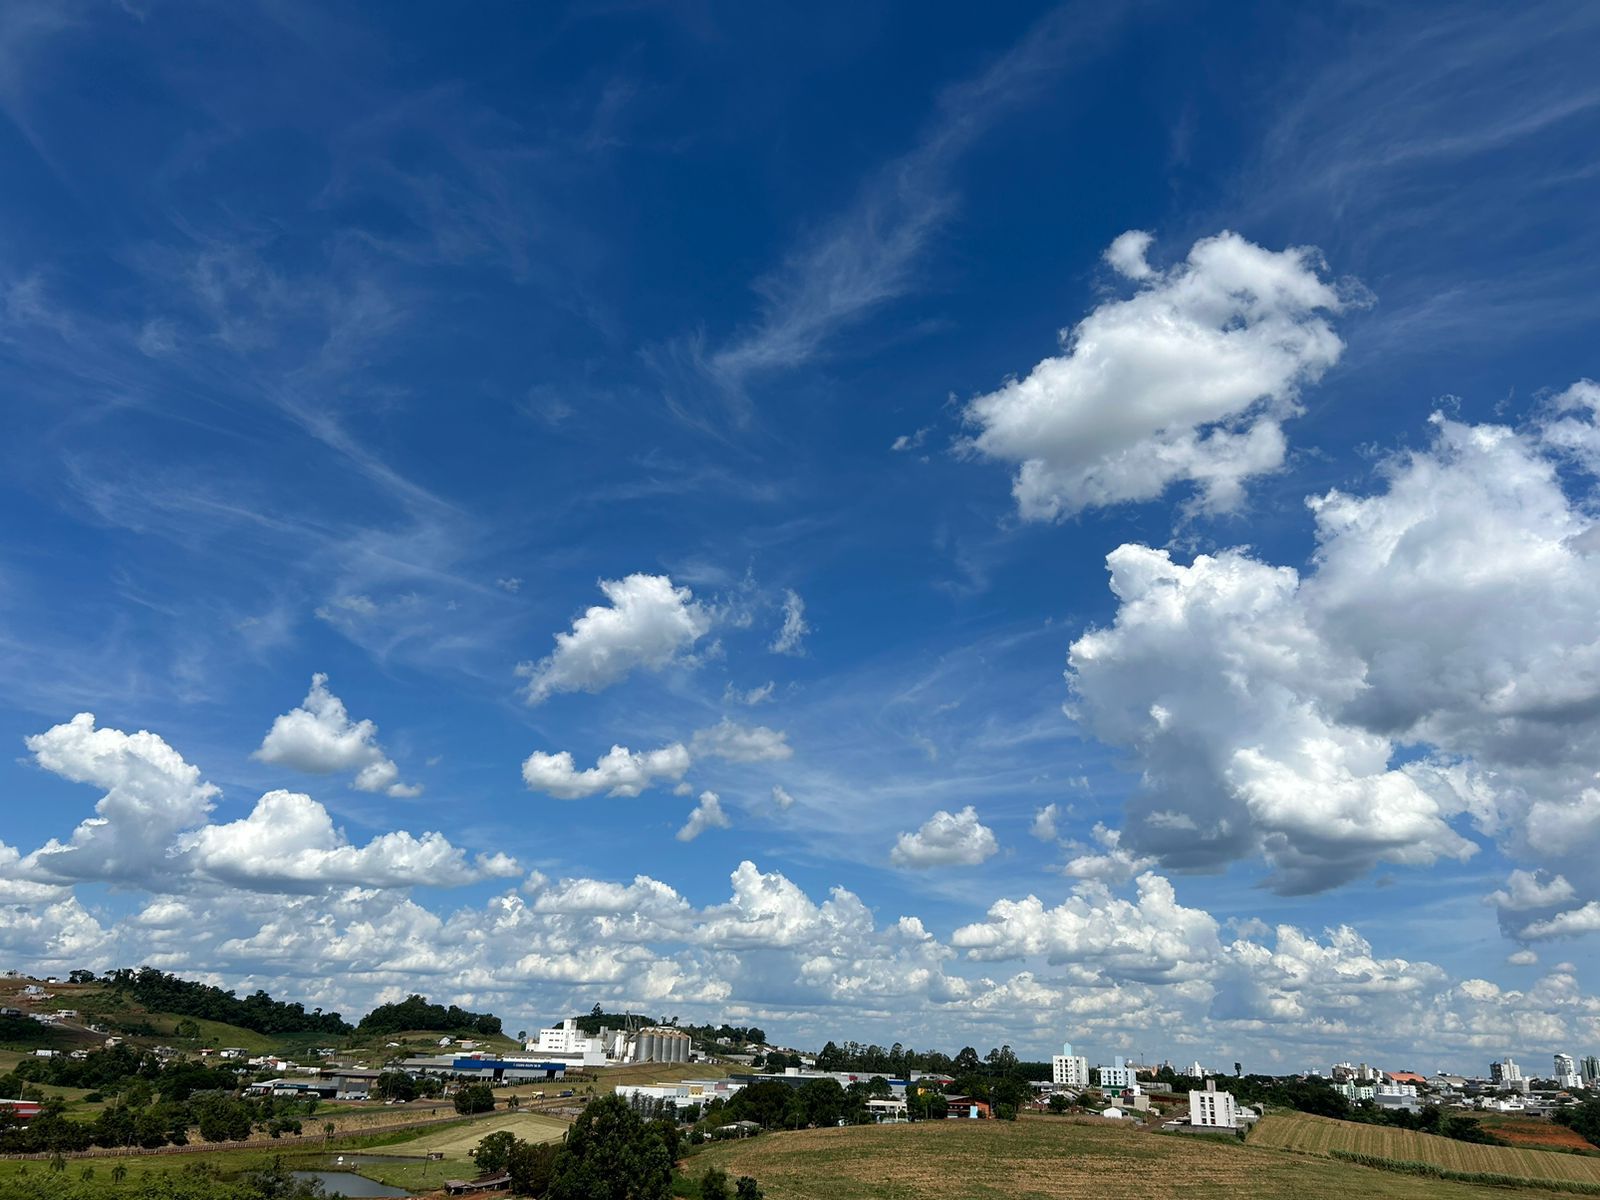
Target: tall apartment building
<point>1068,1069</point>
<point>1506,1071</point>
<point>1591,1070</point>
<point>1214,1108</point>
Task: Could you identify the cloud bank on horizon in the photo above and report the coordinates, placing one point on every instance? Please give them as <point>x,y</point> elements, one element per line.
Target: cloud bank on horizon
<point>717,671</point>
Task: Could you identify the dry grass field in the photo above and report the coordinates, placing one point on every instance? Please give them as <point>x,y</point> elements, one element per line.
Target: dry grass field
<point>1045,1159</point>
<point>1320,1135</point>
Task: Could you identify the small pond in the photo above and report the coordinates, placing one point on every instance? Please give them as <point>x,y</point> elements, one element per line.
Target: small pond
<point>348,1183</point>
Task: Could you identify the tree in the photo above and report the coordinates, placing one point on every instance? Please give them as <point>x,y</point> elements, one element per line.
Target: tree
<point>1059,1103</point>
<point>531,1167</point>
<point>748,1189</point>
<point>493,1154</point>
<point>610,1154</point>
<point>475,1098</point>
<point>714,1185</point>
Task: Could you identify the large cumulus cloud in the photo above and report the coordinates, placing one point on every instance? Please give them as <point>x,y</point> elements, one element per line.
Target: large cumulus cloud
<point>1435,673</point>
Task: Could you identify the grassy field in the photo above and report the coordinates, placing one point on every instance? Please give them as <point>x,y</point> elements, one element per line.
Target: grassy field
<point>1320,1135</point>
<point>453,1143</point>
<point>1043,1159</point>
<point>1532,1132</point>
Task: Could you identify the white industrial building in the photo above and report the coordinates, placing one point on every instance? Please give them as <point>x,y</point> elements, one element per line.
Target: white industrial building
<point>685,1094</point>
<point>571,1045</point>
<point>1213,1109</point>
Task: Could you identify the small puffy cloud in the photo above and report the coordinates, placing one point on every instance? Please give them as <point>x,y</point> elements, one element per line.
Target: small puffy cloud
<point>648,625</point>
<point>320,738</point>
<point>513,585</point>
<point>794,628</point>
<point>1188,380</point>
<point>151,794</point>
<point>1126,254</point>
<point>1522,958</point>
<point>782,798</point>
<point>1044,823</point>
<point>618,772</point>
<point>289,840</point>
<point>742,743</point>
<point>946,839</point>
<point>1113,863</point>
<point>707,814</point>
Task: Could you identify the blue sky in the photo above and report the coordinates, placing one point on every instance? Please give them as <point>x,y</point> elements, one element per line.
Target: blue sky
<point>763,392</point>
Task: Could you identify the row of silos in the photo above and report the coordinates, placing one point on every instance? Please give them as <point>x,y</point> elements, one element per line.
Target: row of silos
<point>661,1044</point>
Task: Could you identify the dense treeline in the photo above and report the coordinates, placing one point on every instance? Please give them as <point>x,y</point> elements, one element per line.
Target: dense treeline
<point>414,1012</point>
<point>161,992</point>
<point>156,1104</point>
<point>898,1061</point>
<point>1583,1119</point>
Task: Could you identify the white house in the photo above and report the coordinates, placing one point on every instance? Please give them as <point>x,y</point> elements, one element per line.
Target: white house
<point>1212,1108</point>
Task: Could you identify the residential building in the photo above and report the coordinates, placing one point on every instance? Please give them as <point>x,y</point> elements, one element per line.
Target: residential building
<point>1119,1076</point>
<point>1591,1070</point>
<point>1217,1110</point>
<point>1069,1070</point>
<point>1355,1092</point>
<point>1397,1095</point>
<point>1506,1071</point>
<point>1567,1072</point>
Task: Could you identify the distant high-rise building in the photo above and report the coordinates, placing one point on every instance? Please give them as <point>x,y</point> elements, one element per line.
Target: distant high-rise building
<point>1591,1070</point>
<point>1069,1070</point>
<point>1505,1072</point>
<point>1565,1066</point>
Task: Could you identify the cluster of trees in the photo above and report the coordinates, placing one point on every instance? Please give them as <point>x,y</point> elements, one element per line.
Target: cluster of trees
<point>155,1103</point>
<point>610,1153</point>
<point>398,1085</point>
<point>161,992</point>
<point>474,1098</point>
<point>219,1117</point>
<point>899,1061</point>
<point>1583,1119</point>
<point>414,1012</point>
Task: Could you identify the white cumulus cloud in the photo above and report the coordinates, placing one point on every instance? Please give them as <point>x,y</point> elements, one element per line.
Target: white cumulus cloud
<point>707,814</point>
<point>618,772</point>
<point>289,840</point>
<point>945,840</point>
<point>319,738</point>
<point>151,794</point>
<point>648,624</point>
<point>1188,380</point>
